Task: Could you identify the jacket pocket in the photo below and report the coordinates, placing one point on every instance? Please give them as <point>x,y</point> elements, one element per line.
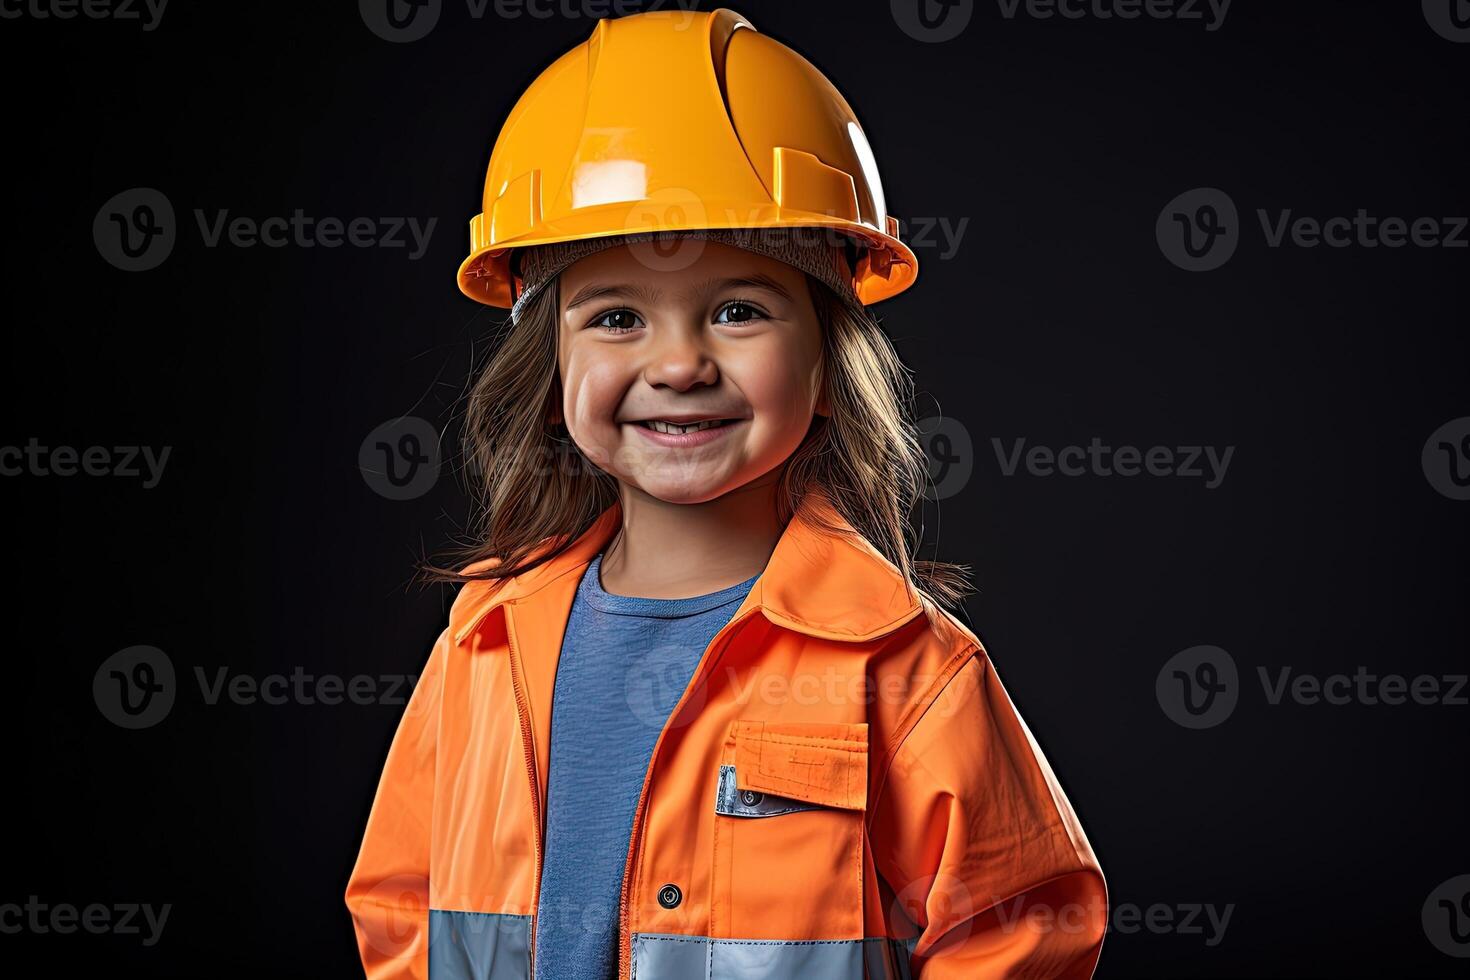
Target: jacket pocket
<point>789,831</point>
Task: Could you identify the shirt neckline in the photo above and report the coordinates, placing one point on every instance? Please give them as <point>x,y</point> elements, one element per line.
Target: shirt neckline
<point>591,592</point>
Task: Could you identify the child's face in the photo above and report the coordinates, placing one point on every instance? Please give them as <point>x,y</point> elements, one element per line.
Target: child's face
<point>639,343</point>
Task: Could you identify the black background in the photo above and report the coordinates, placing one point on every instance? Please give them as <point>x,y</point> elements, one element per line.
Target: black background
<point>264,549</point>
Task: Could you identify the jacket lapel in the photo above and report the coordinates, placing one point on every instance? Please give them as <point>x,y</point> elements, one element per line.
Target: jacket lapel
<point>833,586</point>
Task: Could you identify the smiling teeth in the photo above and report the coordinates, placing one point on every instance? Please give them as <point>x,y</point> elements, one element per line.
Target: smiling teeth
<point>674,429</point>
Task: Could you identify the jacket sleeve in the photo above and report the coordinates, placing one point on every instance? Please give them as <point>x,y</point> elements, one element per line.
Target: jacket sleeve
<point>388,892</point>
<point>981,849</point>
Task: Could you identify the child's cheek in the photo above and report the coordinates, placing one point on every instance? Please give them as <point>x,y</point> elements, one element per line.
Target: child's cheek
<point>594,390</point>
<point>781,393</point>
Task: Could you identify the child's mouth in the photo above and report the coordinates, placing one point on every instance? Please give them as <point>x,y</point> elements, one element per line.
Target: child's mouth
<point>674,428</point>
<point>685,435</point>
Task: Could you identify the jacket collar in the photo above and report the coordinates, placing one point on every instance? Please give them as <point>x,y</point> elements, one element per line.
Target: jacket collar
<point>830,586</point>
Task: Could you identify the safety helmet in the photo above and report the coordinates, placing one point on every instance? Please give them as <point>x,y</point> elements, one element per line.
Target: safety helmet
<point>676,120</point>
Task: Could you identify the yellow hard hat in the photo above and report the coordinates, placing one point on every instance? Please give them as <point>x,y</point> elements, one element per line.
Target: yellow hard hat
<point>675,121</point>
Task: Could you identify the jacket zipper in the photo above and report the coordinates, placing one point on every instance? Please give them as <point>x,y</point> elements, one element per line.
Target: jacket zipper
<point>625,937</point>
<point>523,712</point>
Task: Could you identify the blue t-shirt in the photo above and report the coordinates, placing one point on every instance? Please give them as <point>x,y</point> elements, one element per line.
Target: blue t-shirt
<point>625,662</point>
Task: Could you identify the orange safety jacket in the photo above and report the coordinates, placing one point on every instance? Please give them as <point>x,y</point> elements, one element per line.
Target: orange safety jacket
<point>843,791</point>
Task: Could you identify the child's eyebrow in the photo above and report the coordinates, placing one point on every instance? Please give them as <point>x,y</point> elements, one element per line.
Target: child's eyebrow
<point>651,296</point>
<point>593,291</point>
<point>758,280</point>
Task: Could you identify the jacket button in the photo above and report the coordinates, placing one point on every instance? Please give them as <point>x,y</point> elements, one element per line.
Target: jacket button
<point>750,797</point>
<point>669,896</point>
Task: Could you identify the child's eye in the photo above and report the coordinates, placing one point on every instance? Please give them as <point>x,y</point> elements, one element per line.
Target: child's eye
<point>745,312</point>
<point>625,321</point>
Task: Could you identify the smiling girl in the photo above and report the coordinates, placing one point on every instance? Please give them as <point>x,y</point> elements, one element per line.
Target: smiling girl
<point>699,712</point>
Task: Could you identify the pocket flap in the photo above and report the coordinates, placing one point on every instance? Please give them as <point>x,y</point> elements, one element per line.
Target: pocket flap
<point>820,762</point>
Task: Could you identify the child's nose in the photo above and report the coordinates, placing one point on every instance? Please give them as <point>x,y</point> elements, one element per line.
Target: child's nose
<point>680,361</point>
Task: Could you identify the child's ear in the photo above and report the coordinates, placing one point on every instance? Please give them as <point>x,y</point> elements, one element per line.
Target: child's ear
<point>823,407</point>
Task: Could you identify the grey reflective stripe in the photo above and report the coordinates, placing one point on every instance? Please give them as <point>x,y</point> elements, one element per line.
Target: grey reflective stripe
<point>495,946</point>
<point>734,803</point>
<point>669,957</point>
<point>479,946</point>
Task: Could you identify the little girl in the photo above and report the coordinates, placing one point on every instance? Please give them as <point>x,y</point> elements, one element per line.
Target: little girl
<point>698,711</point>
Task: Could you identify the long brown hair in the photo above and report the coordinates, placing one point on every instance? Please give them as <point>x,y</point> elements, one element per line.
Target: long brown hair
<point>534,492</point>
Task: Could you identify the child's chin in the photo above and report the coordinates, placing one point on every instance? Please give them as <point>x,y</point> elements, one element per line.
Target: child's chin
<point>684,491</point>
